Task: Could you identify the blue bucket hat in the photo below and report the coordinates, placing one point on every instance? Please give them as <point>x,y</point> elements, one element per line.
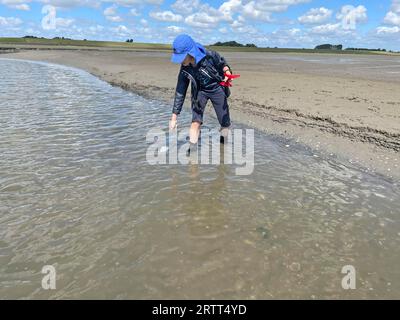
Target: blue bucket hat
<point>184,45</point>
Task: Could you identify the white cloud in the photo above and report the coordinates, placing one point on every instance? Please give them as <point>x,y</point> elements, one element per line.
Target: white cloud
<point>114,18</point>
<point>110,11</point>
<point>228,8</point>
<point>155,2</point>
<point>329,28</point>
<point>392,18</point>
<point>121,30</point>
<point>23,7</point>
<point>388,30</point>
<point>130,3</point>
<point>246,29</point>
<point>64,23</point>
<point>202,20</point>
<point>16,4</point>
<point>183,7</point>
<point>10,22</point>
<point>293,37</point>
<point>93,3</point>
<point>239,22</point>
<point>209,17</point>
<point>294,31</point>
<point>259,9</point>
<point>72,3</point>
<point>134,12</point>
<point>316,16</point>
<point>111,14</point>
<point>251,10</point>
<point>174,29</point>
<point>275,5</point>
<point>166,16</point>
<point>395,6</point>
<point>95,29</point>
<point>350,16</point>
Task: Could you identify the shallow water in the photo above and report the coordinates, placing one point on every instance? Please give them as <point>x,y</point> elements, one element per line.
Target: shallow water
<point>76,192</point>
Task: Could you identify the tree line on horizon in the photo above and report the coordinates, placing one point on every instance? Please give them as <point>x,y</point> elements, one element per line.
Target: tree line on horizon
<point>234,44</point>
<point>340,47</point>
<point>55,38</point>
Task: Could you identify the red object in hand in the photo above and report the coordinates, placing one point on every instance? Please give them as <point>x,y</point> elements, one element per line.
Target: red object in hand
<point>230,78</point>
<point>226,84</point>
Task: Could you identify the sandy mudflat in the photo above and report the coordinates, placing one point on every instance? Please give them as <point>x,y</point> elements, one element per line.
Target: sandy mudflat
<point>346,105</point>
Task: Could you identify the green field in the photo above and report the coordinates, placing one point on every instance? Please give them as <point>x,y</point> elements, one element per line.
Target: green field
<point>21,42</point>
<point>29,43</point>
<point>290,50</point>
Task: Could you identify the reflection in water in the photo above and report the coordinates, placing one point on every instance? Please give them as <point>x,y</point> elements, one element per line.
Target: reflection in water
<point>206,221</point>
<point>76,192</point>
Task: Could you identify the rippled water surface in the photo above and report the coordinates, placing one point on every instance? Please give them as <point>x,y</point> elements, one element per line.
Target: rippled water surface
<point>77,193</point>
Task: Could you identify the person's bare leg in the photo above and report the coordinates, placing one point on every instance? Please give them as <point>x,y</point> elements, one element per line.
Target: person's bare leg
<point>194,132</point>
<point>194,137</point>
<point>224,135</point>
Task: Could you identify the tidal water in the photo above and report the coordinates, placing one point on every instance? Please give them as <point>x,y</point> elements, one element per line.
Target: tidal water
<point>77,193</point>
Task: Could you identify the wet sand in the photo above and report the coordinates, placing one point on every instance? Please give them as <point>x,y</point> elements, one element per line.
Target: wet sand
<point>347,106</point>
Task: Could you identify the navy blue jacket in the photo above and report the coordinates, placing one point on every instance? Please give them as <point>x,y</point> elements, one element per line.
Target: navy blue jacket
<point>205,76</point>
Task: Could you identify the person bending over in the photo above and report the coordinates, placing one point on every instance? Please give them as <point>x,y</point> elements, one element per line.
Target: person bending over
<point>208,73</point>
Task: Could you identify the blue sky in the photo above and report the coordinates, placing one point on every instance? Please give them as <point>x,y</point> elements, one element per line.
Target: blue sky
<point>282,23</point>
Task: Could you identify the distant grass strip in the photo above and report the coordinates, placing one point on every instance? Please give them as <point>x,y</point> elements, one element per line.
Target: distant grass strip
<point>76,44</point>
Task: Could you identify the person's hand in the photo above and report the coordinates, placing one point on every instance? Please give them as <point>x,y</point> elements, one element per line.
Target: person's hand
<point>228,77</point>
<point>173,122</point>
<point>227,71</point>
